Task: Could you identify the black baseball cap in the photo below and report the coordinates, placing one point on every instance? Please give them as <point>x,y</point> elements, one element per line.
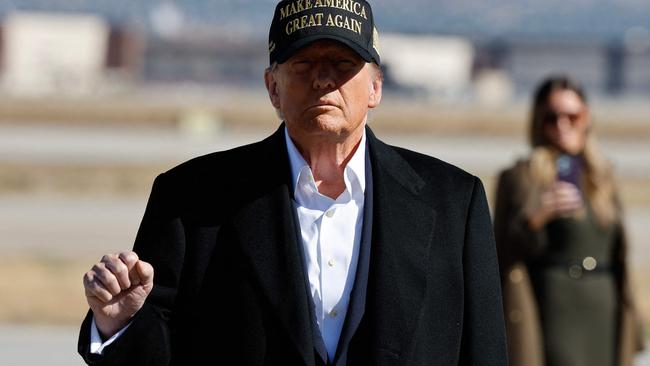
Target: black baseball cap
<point>297,23</point>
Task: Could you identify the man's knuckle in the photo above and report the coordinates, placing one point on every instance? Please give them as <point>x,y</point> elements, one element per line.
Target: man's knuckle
<point>118,268</point>
<point>128,257</point>
<point>88,276</point>
<point>106,277</point>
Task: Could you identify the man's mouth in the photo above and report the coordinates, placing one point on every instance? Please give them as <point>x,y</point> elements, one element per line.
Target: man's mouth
<point>324,104</point>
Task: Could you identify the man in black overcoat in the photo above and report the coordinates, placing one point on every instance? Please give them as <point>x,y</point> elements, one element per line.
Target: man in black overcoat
<point>320,245</point>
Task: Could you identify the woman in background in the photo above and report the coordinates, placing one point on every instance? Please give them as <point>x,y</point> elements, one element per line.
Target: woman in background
<point>561,244</point>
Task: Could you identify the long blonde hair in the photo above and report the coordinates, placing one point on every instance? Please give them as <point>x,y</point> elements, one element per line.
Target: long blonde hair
<point>598,178</point>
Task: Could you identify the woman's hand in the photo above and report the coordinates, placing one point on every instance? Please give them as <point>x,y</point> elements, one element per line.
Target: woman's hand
<point>562,199</point>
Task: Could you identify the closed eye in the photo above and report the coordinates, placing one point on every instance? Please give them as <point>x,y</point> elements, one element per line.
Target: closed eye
<point>301,66</point>
<point>345,65</point>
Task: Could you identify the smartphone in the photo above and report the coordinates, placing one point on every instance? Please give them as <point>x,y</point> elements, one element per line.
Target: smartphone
<point>568,169</point>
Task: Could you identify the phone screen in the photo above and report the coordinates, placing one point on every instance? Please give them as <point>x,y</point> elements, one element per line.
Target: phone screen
<point>568,169</point>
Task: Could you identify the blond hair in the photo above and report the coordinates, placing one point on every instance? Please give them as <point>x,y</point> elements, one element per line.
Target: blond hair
<point>597,178</point>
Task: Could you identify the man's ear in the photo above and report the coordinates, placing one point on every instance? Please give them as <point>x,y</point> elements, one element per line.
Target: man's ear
<point>272,87</point>
<point>375,88</point>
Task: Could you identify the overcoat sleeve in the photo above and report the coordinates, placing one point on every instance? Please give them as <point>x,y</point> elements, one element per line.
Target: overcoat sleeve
<point>484,340</point>
<point>160,241</point>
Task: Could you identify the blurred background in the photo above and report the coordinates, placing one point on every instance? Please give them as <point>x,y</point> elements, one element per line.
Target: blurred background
<point>98,97</point>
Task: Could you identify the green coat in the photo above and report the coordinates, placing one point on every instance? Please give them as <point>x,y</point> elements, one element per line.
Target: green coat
<point>515,242</point>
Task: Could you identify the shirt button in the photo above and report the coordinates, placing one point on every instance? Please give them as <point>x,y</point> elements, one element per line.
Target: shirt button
<point>333,314</point>
<point>331,262</point>
<point>329,213</point>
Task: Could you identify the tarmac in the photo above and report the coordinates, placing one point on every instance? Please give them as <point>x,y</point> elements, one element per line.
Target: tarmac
<point>39,345</point>
<point>57,346</point>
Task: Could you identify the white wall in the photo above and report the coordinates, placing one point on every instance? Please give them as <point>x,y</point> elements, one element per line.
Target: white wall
<point>440,66</point>
<point>52,53</point>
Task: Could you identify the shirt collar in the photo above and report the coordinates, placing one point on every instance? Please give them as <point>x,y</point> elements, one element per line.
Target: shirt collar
<point>354,171</point>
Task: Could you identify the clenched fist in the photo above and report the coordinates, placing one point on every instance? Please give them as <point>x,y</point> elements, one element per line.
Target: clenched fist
<point>116,289</point>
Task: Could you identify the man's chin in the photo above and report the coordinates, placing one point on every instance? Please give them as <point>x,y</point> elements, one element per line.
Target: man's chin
<point>326,126</point>
<point>329,126</point>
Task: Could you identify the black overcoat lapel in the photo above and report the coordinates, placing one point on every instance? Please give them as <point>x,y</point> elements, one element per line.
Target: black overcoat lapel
<point>265,228</point>
<point>401,237</point>
<point>357,305</point>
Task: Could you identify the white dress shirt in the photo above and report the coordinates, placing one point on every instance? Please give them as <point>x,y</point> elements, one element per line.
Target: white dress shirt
<point>97,345</point>
<point>331,235</point>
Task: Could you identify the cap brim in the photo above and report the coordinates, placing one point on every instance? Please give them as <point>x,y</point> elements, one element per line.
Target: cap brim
<point>303,42</point>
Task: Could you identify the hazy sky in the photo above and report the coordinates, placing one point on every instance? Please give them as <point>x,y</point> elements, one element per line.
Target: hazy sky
<point>491,18</point>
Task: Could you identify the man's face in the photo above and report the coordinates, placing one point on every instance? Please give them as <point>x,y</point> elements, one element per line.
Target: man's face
<point>324,91</point>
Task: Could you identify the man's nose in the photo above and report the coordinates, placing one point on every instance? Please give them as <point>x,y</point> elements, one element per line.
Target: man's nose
<point>324,76</point>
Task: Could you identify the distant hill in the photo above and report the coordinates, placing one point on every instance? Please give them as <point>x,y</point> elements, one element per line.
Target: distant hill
<point>598,19</point>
